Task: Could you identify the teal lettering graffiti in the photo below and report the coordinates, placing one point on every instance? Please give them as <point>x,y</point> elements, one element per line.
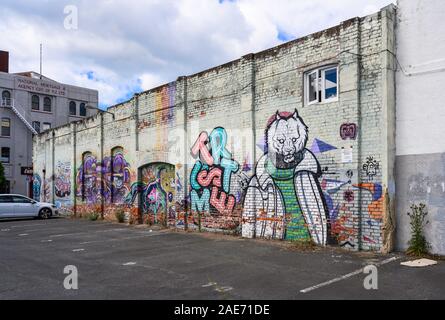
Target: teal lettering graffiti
<point>218,140</point>
<point>229,166</point>
<point>202,203</point>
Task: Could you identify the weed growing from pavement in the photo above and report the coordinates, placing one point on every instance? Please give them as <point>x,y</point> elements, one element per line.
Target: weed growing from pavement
<point>93,216</point>
<point>120,215</point>
<point>418,245</point>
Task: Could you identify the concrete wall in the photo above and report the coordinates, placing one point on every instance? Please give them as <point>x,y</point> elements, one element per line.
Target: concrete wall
<point>196,153</point>
<point>420,117</point>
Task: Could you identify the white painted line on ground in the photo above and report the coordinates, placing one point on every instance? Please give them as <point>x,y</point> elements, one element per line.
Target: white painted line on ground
<point>126,238</point>
<point>351,274</point>
<point>209,284</point>
<point>83,232</point>
<point>48,240</point>
<point>131,263</point>
<point>78,250</point>
<point>23,234</point>
<point>5,230</point>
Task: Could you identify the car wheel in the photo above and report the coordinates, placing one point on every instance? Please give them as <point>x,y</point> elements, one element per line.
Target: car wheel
<point>45,213</point>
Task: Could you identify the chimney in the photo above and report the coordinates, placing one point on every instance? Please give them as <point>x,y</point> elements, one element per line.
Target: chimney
<point>4,61</point>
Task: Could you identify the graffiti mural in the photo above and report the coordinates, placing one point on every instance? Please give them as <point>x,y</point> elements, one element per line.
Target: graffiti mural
<point>156,188</point>
<point>62,184</point>
<point>211,175</point>
<point>62,181</point>
<point>370,167</point>
<point>87,180</point>
<point>36,187</point>
<point>284,199</point>
<point>117,178</point>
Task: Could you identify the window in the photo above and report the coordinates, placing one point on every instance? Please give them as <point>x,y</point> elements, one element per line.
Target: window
<point>82,110</point>
<point>36,126</point>
<point>5,155</point>
<point>321,85</point>
<point>47,104</point>
<point>5,188</point>
<point>6,127</point>
<point>46,126</point>
<point>35,102</point>
<point>6,98</point>
<point>18,199</point>
<point>72,108</point>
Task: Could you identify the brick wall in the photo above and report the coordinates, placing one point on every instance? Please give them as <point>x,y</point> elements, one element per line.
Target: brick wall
<point>236,149</point>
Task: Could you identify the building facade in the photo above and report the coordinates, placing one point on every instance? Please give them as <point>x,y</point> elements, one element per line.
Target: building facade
<point>31,104</point>
<point>420,118</point>
<point>293,143</point>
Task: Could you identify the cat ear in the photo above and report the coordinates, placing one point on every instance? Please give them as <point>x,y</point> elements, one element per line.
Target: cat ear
<point>277,115</point>
<point>295,115</point>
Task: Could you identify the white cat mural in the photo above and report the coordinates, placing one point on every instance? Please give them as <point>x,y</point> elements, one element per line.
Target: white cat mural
<point>284,199</point>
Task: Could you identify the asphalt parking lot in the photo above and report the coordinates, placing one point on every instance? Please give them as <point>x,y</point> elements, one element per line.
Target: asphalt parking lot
<point>115,261</point>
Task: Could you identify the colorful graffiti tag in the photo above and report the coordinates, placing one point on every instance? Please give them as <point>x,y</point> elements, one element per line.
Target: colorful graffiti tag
<point>36,187</point>
<point>62,180</point>
<point>156,189</point>
<point>284,199</point>
<point>87,180</point>
<point>117,177</point>
<point>211,175</point>
<point>62,185</point>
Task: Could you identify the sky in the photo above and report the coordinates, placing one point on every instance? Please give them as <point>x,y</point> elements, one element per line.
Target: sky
<point>122,47</point>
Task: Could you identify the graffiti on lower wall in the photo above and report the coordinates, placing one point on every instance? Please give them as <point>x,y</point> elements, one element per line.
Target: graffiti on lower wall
<point>117,178</point>
<point>62,184</point>
<point>211,175</point>
<point>156,188</point>
<point>284,199</point>
<point>36,186</point>
<point>87,180</point>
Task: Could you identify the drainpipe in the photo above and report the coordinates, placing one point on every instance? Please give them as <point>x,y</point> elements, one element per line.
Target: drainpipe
<point>74,169</point>
<point>102,204</point>
<point>136,120</point>
<point>359,138</point>
<point>183,79</point>
<point>53,166</point>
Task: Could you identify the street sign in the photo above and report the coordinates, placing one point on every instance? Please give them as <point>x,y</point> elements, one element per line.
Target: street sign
<point>26,171</point>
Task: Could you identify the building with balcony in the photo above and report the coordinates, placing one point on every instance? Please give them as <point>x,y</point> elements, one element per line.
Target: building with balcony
<point>32,103</point>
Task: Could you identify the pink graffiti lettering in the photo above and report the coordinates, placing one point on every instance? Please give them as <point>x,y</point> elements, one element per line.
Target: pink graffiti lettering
<point>220,203</point>
<point>200,148</point>
<point>206,177</point>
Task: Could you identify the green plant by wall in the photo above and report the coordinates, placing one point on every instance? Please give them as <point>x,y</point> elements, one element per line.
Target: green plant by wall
<point>120,215</point>
<point>93,216</point>
<point>418,245</point>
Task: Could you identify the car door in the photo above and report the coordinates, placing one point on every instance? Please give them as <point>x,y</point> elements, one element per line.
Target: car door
<point>6,207</point>
<point>24,207</point>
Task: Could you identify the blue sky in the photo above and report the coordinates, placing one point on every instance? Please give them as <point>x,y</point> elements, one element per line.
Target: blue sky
<point>123,47</point>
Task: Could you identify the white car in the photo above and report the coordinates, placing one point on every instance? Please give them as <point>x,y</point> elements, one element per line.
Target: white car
<point>18,206</point>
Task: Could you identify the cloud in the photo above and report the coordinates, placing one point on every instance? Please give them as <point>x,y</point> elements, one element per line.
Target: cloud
<point>123,47</point>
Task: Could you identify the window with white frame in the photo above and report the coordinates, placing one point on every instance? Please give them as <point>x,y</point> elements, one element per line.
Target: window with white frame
<point>321,85</point>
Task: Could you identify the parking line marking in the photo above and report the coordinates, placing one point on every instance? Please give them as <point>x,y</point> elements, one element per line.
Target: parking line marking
<point>23,234</point>
<point>47,240</point>
<point>131,263</point>
<point>78,250</point>
<point>353,273</point>
<point>126,238</point>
